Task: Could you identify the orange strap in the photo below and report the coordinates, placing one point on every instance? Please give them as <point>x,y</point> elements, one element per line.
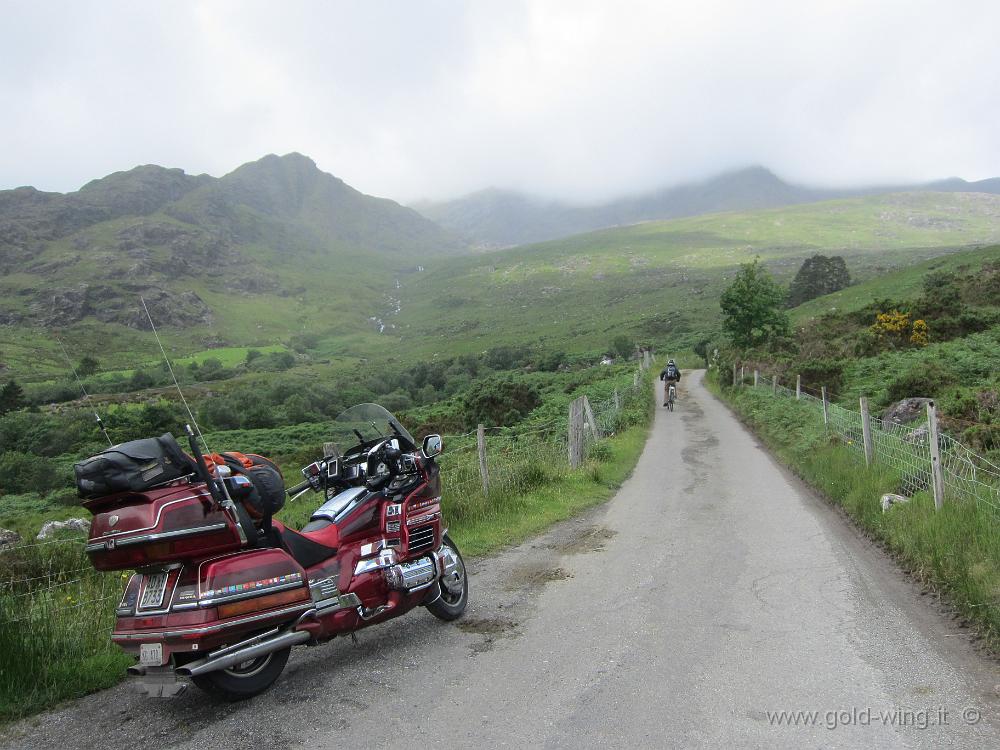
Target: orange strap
<point>215,459</point>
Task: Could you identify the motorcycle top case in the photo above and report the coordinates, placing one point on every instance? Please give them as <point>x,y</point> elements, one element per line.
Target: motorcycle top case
<point>159,526</point>
<point>137,466</point>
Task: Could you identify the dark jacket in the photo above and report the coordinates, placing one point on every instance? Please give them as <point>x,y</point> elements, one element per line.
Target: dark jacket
<point>677,373</point>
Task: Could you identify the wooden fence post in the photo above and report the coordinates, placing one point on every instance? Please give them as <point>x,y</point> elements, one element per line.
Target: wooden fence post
<point>484,470</point>
<point>866,432</point>
<point>635,380</point>
<point>575,433</point>
<point>756,378</point>
<point>589,414</point>
<point>618,401</point>
<point>826,410</point>
<point>798,387</point>
<point>937,475</point>
<point>741,374</point>
<point>734,374</point>
<point>774,384</point>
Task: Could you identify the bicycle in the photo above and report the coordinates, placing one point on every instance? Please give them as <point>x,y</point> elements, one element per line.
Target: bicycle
<point>671,396</point>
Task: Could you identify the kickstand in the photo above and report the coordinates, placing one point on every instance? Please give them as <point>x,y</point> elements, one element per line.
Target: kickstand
<point>354,639</point>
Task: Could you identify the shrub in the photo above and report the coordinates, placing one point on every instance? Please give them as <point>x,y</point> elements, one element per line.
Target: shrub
<point>925,380</point>
<point>499,402</point>
<point>819,372</point>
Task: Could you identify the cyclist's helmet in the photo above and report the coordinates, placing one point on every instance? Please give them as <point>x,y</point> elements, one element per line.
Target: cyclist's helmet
<point>670,362</point>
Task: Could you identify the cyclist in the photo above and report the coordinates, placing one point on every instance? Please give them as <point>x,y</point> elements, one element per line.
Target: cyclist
<point>671,375</point>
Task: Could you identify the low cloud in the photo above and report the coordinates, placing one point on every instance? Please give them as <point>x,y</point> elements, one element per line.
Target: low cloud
<point>576,100</point>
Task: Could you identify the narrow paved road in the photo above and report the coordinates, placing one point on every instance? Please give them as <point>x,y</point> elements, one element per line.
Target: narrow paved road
<point>712,590</point>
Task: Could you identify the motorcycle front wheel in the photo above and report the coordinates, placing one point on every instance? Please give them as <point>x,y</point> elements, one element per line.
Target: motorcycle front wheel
<point>245,680</point>
<point>454,595</point>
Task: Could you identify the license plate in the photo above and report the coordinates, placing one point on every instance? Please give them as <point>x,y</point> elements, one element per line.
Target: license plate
<point>151,654</point>
<point>152,595</point>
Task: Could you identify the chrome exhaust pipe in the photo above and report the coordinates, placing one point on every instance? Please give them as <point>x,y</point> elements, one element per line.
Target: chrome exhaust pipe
<point>224,661</point>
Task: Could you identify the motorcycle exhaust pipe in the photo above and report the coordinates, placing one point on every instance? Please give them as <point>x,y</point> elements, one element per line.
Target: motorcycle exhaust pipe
<point>214,664</point>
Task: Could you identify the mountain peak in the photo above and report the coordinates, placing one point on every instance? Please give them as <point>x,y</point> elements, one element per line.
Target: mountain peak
<point>140,190</point>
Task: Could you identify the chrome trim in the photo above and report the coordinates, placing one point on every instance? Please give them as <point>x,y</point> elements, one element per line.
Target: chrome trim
<point>110,534</point>
<point>422,586</point>
<point>213,662</point>
<point>336,505</point>
<point>422,519</point>
<point>336,603</point>
<point>154,635</point>
<point>385,558</point>
<point>249,594</point>
<point>412,576</point>
<point>324,588</point>
<point>368,614</point>
<point>103,545</point>
<point>242,644</point>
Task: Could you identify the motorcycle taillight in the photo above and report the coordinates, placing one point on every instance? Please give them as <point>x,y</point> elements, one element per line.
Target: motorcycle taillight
<point>126,607</point>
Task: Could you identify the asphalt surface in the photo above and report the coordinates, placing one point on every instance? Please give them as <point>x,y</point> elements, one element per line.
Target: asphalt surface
<point>712,590</point>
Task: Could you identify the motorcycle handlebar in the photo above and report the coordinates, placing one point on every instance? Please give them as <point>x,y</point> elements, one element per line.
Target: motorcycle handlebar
<point>299,488</point>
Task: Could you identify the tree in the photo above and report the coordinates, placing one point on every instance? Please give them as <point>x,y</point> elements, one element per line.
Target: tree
<point>87,366</point>
<point>818,275</point>
<point>622,346</point>
<point>701,349</point>
<point>752,307</point>
<point>140,379</point>
<point>11,397</point>
<point>941,295</point>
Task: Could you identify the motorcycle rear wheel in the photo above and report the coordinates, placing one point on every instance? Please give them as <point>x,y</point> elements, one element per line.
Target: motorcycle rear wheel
<point>451,603</point>
<point>244,680</point>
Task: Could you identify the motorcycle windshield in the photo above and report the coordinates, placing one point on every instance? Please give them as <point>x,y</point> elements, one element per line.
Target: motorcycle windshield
<point>372,422</point>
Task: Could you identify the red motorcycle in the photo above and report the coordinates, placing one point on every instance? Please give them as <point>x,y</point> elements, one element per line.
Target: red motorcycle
<point>222,591</point>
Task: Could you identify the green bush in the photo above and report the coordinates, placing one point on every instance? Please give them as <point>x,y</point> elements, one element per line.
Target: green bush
<point>925,380</point>
<point>499,401</point>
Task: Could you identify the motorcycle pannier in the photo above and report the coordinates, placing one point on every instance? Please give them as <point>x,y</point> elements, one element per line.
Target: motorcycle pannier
<point>132,467</point>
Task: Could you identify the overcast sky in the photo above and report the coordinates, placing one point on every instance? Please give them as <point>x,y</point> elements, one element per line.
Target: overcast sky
<point>578,100</point>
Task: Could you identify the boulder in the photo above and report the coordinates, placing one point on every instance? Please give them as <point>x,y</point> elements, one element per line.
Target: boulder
<point>906,411</point>
<point>8,538</point>
<point>890,499</point>
<point>50,528</point>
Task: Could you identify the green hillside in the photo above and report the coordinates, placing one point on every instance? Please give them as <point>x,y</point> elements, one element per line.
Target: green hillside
<point>660,281</point>
<point>271,250</point>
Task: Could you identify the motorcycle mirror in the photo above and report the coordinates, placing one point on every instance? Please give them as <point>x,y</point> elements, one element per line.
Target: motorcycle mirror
<point>432,446</point>
<point>332,468</point>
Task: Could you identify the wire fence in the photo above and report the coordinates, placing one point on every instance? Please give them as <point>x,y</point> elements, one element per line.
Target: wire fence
<point>964,476</point>
<point>52,578</point>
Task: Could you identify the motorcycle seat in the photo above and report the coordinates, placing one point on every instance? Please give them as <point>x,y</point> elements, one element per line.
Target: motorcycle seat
<point>310,547</point>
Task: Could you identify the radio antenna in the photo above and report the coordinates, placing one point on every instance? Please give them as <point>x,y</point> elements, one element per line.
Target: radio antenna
<point>86,396</point>
<point>174,377</point>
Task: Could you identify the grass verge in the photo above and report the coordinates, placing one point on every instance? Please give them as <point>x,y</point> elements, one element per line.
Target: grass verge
<point>500,524</point>
<point>955,550</point>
